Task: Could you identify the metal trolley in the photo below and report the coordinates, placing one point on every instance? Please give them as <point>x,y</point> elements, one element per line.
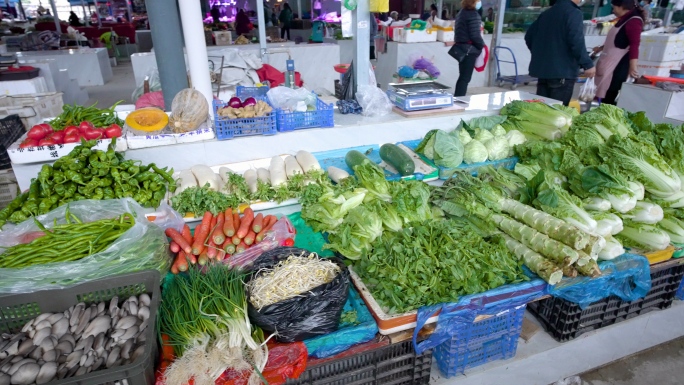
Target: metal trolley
<point>513,79</point>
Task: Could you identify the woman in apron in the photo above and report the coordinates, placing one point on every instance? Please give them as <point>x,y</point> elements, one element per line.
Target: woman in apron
<point>620,53</point>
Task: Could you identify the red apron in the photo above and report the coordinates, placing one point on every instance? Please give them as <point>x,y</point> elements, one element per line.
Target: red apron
<point>610,57</point>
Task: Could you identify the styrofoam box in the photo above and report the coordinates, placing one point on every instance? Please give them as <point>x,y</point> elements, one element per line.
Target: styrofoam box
<point>52,153</point>
<point>204,132</point>
<point>414,36</point>
<point>223,37</point>
<point>663,68</point>
<point>32,109</point>
<point>661,47</point>
<point>445,36</point>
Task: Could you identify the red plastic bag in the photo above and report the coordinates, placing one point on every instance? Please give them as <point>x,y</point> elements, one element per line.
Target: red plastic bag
<point>285,361</point>
<point>275,77</point>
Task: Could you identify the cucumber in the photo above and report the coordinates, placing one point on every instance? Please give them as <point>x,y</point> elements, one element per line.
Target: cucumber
<point>397,158</point>
<point>355,158</point>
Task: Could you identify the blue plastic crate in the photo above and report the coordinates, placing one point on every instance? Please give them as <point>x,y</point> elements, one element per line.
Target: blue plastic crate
<point>494,338</point>
<point>227,128</point>
<point>245,92</point>
<point>680,292</point>
<point>321,117</point>
<point>347,335</point>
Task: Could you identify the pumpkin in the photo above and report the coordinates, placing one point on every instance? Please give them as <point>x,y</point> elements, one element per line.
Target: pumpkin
<point>147,121</point>
<point>189,109</point>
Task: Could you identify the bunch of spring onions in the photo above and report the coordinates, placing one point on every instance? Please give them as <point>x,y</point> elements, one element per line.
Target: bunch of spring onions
<point>204,313</point>
<point>289,278</point>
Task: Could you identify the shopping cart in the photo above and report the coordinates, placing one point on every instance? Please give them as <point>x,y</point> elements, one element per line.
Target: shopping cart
<point>513,79</point>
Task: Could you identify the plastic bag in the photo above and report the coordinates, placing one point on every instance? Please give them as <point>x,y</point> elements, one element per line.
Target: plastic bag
<point>627,276</point>
<point>314,313</point>
<point>280,232</point>
<point>144,246</point>
<point>290,99</point>
<point>373,101</point>
<point>588,91</point>
<point>285,361</point>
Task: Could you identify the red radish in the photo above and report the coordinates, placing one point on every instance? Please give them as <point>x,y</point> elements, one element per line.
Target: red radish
<point>113,131</point>
<point>72,139</point>
<point>47,142</point>
<point>36,133</point>
<point>29,143</point>
<point>71,130</point>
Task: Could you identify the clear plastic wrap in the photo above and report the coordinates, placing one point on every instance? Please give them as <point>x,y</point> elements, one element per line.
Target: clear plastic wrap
<point>144,246</point>
<point>588,91</point>
<point>373,101</point>
<point>280,232</point>
<point>291,99</point>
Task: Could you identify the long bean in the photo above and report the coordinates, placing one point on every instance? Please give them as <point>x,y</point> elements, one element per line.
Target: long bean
<point>67,242</point>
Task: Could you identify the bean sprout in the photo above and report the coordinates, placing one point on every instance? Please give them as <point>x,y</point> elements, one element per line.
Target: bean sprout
<point>290,278</point>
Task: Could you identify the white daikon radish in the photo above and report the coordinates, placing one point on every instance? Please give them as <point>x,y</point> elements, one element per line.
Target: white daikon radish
<point>277,171</point>
<point>307,161</point>
<point>223,175</point>
<point>292,167</point>
<point>251,180</point>
<point>337,174</point>
<point>205,175</point>
<point>263,175</point>
<point>186,179</point>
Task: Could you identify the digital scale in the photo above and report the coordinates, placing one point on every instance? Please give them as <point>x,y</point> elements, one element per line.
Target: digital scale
<point>416,96</point>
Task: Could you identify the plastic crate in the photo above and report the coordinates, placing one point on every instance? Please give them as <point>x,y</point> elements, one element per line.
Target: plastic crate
<point>494,338</point>
<point>246,92</point>
<point>391,365</point>
<point>565,320</point>
<point>11,129</point>
<point>17,309</point>
<point>227,128</point>
<point>8,192</point>
<point>321,117</point>
<point>33,109</point>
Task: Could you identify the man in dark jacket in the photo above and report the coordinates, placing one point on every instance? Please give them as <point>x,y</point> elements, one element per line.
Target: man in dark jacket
<point>556,40</point>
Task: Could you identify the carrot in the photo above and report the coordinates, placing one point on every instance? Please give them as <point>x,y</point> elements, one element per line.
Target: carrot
<point>192,258</point>
<point>167,348</point>
<point>236,221</point>
<point>258,222</point>
<point>203,258</point>
<point>260,237</point>
<point>181,263</point>
<point>173,246</point>
<point>187,234</point>
<point>228,226</point>
<point>218,235</point>
<point>241,247</point>
<point>230,249</point>
<point>245,222</point>
<point>212,251</point>
<point>178,238</point>
<point>249,238</point>
<point>201,233</point>
<point>221,255</point>
<point>236,240</point>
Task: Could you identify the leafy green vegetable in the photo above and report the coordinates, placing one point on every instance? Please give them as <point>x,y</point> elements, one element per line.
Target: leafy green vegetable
<point>535,119</point>
<point>198,200</point>
<point>673,226</point>
<point>475,152</point>
<point>448,150</point>
<point>412,200</point>
<point>372,178</point>
<point>427,145</point>
<point>434,262</point>
<point>607,120</point>
<point>483,122</point>
<point>643,236</point>
<point>356,232</point>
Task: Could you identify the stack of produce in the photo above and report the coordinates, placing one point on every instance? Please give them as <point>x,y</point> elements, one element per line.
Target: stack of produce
<point>89,174</point>
<point>218,237</point>
<point>200,189</point>
<point>549,246</point>
<point>613,175</point>
<point>204,314</point>
<point>479,140</point>
<point>538,120</point>
<point>81,340</point>
<point>71,241</point>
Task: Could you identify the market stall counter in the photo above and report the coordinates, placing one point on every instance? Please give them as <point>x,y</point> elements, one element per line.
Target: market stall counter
<point>349,131</point>
<point>661,105</point>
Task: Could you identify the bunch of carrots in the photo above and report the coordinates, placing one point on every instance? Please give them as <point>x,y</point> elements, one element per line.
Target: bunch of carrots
<point>218,237</point>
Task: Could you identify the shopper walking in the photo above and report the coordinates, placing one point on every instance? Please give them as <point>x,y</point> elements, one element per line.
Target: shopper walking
<point>556,40</point>
<point>242,23</point>
<point>469,37</point>
<point>285,18</point>
<point>620,53</point>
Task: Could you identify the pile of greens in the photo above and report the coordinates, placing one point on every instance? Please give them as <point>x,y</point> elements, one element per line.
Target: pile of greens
<point>435,261</point>
<point>357,211</point>
<point>90,174</point>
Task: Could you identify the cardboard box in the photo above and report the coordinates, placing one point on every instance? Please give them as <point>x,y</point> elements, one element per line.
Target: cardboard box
<point>661,47</point>
<point>658,68</point>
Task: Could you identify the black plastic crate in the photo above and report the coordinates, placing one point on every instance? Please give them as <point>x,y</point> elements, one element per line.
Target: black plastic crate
<point>388,365</point>
<point>565,321</point>
<point>11,129</point>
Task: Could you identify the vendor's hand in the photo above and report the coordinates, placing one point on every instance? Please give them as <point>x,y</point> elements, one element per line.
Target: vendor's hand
<point>633,72</point>
<point>590,73</point>
<point>597,49</point>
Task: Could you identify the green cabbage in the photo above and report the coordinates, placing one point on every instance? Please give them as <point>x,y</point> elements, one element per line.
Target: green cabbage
<point>475,152</point>
<point>497,148</point>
